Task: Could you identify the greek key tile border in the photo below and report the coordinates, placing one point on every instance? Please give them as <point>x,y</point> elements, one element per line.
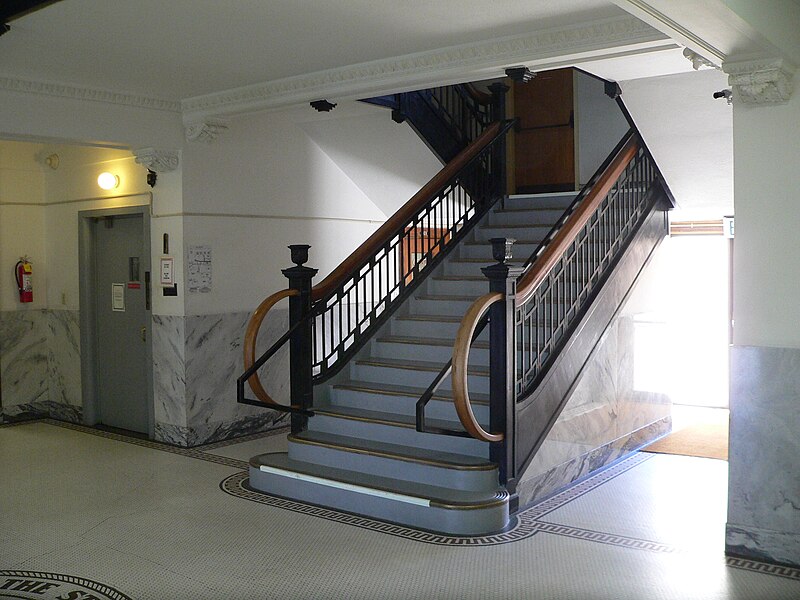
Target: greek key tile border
<point>526,523</point>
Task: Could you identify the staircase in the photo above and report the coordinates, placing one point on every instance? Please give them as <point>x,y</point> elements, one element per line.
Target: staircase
<point>379,426</point>
<point>361,452</point>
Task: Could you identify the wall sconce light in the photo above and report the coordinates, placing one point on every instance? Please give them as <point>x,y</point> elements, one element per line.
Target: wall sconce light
<point>108,181</point>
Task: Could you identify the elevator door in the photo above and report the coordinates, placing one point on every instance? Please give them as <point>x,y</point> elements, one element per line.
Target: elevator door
<point>122,326</point>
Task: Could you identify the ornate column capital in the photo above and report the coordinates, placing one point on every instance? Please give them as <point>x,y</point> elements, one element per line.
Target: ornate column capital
<point>160,161</point>
<point>766,81</point>
<point>206,130</point>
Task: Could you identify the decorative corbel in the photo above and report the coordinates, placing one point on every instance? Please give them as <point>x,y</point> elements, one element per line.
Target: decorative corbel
<point>160,161</point>
<point>766,81</point>
<point>206,130</point>
<point>697,60</point>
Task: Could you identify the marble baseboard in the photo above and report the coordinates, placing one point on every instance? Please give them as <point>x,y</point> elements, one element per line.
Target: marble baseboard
<point>764,481</point>
<point>536,485</point>
<point>188,437</point>
<point>40,410</point>
<point>763,545</point>
<point>169,370</point>
<point>64,357</point>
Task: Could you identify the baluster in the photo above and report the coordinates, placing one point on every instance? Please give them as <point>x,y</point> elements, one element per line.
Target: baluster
<point>301,341</point>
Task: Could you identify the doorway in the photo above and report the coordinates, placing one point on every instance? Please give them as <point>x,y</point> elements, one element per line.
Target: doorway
<point>115,315</point>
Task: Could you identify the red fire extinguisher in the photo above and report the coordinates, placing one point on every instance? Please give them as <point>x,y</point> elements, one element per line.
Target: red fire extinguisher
<point>23,273</point>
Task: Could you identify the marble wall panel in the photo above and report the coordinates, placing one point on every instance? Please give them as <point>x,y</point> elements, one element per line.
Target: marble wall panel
<point>169,370</point>
<point>213,363</point>
<point>64,360</point>
<point>764,480</point>
<point>23,361</point>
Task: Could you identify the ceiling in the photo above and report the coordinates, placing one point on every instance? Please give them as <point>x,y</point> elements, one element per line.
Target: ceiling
<point>186,48</point>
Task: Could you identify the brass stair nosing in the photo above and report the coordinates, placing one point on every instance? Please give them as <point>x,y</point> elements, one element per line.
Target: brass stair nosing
<point>378,363</point>
<point>375,390</point>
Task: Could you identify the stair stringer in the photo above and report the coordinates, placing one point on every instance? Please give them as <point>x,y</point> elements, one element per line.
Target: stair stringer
<point>538,412</point>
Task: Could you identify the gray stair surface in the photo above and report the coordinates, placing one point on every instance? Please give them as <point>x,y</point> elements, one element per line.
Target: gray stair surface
<point>361,452</point>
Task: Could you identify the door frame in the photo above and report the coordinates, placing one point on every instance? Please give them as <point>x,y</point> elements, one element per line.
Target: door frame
<point>88,310</point>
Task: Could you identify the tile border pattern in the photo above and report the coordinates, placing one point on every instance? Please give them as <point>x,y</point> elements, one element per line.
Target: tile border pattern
<point>526,523</point>
<point>106,591</point>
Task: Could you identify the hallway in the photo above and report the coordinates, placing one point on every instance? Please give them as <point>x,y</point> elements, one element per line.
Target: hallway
<point>139,520</point>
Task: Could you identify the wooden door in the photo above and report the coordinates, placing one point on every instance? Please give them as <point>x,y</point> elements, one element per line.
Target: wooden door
<point>544,146</point>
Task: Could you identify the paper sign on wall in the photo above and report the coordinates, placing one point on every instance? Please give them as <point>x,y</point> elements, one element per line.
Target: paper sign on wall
<point>118,297</point>
<point>167,270</point>
<point>199,269</point>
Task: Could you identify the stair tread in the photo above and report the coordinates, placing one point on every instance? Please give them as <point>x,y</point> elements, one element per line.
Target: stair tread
<point>438,496</point>
<point>436,318</point>
<point>517,226</point>
<point>406,390</point>
<point>484,260</point>
<point>392,419</point>
<point>446,297</point>
<point>405,453</point>
<point>415,365</point>
<point>517,242</point>
<point>426,341</point>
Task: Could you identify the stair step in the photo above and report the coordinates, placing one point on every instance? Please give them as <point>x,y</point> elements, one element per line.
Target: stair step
<point>392,428</point>
<point>429,325</point>
<point>521,250</point>
<point>429,467</point>
<point>426,348</point>
<point>402,399</point>
<point>553,200</point>
<point>441,304</point>
<point>486,232</point>
<point>436,508</point>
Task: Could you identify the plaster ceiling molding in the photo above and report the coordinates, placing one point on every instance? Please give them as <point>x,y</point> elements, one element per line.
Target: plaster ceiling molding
<point>60,90</point>
<point>766,81</point>
<point>160,161</point>
<point>206,130</point>
<point>697,60</point>
<point>456,64</point>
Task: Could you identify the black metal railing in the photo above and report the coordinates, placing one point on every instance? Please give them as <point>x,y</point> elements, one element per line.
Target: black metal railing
<point>547,315</point>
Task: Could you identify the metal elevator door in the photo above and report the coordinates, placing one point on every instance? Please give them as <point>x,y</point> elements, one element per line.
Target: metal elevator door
<point>122,322</point>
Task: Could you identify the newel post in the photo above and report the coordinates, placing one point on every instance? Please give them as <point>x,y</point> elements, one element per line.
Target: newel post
<point>502,357</point>
<point>301,342</point>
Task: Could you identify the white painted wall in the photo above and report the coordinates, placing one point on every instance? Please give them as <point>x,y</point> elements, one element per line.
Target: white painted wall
<point>264,184</point>
<point>766,264</point>
<point>690,136</point>
<point>599,122</point>
<point>21,222</point>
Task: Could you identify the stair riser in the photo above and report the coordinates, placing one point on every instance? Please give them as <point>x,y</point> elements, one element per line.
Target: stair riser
<point>560,201</point>
<point>402,436</point>
<point>439,329</point>
<point>376,374</point>
<point>533,217</point>
<point>457,522</point>
<point>437,354</point>
<point>484,251</point>
<point>449,287</point>
<point>534,232</point>
<point>402,405</point>
<point>458,479</point>
<point>451,308</point>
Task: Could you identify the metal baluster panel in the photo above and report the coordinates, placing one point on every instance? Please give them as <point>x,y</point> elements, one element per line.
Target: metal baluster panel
<point>545,320</point>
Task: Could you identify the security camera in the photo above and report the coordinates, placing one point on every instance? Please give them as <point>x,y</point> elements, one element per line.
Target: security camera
<point>727,94</point>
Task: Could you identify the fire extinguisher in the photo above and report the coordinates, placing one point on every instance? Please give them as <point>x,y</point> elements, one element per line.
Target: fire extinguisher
<point>23,273</point>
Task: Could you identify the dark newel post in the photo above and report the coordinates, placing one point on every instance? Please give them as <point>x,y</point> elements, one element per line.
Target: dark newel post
<point>499,91</point>
<point>300,344</point>
<point>502,358</point>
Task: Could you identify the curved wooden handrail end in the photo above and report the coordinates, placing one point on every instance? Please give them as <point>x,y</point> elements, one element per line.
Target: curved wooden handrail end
<point>250,337</point>
<point>460,364</point>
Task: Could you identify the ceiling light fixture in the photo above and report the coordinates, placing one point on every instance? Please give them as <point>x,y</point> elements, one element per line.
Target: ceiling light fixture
<point>108,181</point>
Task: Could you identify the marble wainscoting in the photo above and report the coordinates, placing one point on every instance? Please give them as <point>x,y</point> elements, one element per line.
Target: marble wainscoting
<point>169,379</point>
<point>196,361</point>
<point>764,478</point>
<point>605,418</point>
<point>64,365</point>
<point>23,365</point>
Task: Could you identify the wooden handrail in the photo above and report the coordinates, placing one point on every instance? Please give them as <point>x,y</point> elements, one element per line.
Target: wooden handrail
<point>402,216</point>
<point>528,283</point>
<point>250,337</point>
<point>461,364</point>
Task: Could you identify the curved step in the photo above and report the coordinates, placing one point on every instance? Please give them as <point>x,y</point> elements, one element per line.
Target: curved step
<point>436,508</point>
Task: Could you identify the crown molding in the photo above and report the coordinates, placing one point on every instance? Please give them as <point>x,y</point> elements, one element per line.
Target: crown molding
<point>766,81</point>
<point>160,161</point>
<point>448,65</point>
<point>73,92</point>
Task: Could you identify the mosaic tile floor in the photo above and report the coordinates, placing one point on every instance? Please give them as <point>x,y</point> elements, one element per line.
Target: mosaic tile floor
<point>105,516</point>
